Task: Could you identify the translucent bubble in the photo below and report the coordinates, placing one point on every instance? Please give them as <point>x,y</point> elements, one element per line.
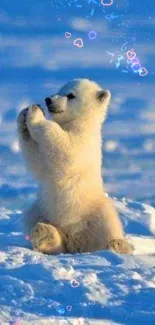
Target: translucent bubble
<point>75,283</point>
<point>69,308</point>
<point>78,42</point>
<point>92,34</point>
<point>136,67</point>
<point>107,2</point>
<point>131,55</point>
<point>143,71</point>
<point>68,35</point>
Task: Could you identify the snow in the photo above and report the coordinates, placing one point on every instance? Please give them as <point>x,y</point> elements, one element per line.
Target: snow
<point>93,288</point>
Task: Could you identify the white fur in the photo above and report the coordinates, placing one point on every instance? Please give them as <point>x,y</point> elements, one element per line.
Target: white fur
<point>64,154</point>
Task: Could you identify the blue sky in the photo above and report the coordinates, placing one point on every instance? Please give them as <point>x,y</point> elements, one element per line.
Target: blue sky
<point>36,57</point>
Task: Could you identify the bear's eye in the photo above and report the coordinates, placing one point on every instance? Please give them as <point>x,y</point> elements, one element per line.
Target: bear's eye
<point>70,96</point>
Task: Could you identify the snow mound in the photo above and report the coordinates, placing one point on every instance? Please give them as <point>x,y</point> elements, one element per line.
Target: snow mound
<point>98,288</point>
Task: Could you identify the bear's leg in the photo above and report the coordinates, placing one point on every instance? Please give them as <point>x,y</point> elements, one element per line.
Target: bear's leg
<point>102,229</point>
<point>93,238</point>
<point>47,239</point>
<point>22,128</point>
<point>113,229</point>
<point>29,147</point>
<point>31,217</point>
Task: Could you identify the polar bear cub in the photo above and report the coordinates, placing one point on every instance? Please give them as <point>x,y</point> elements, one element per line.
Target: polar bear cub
<point>72,213</point>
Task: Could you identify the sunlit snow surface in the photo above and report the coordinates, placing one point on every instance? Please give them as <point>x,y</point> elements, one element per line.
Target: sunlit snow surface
<point>79,289</point>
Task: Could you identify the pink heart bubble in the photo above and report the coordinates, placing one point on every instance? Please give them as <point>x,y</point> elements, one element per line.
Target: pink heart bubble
<point>68,35</point>
<point>131,55</point>
<point>75,283</point>
<point>78,42</point>
<point>143,72</point>
<point>69,308</point>
<point>27,237</point>
<point>106,2</point>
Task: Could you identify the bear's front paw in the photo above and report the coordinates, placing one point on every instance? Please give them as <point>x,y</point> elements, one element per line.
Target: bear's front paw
<point>35,114</point>
<point>46,238</point>
<point>120,246</point>
<point>21,121</point>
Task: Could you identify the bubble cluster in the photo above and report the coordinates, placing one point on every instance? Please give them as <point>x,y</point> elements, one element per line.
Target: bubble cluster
<point>123,57</point>
<point>78,42</point>
<point>90,5</point>
<point>130,60</point>
<point>135,63</point>
<point>81,3</point>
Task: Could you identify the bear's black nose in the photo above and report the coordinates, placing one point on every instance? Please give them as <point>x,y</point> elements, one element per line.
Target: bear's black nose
<point>48,101</point>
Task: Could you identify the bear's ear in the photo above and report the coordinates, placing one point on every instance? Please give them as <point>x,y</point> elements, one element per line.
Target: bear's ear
<point>102,95</point>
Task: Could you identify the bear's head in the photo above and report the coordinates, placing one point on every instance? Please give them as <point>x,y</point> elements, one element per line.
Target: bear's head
<point>79,99</point>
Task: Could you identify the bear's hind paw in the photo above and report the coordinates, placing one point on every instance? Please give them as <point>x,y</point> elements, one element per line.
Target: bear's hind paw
<point>120,246</point>
<point>45,238</point>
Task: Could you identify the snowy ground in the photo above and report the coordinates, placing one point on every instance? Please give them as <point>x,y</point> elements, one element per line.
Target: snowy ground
<point>98,288</point>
